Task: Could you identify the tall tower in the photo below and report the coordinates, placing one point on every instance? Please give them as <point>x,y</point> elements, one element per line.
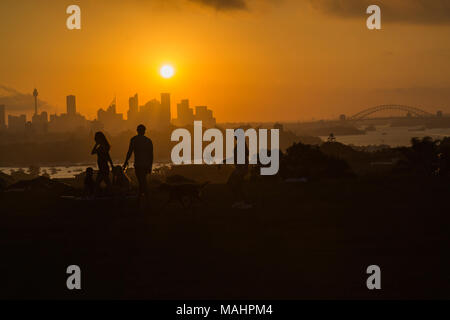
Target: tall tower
<point>71,105</point>
<point>133,104</point>
<point>133,110</point>
<point>35,94</point>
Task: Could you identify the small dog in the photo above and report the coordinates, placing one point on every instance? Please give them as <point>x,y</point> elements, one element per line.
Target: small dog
<point>89,184</point>
<point>120,180</point>
<point>182,192</point>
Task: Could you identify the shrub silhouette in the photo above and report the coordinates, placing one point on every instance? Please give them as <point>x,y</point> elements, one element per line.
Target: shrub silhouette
<point>308,161</point>
<point>423,155</point>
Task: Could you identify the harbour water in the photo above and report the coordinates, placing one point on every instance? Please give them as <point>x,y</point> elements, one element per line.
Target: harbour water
<point>62,172</point>
<point>391,136</point>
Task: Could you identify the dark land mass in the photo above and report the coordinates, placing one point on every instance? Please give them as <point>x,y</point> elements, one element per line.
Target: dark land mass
<point>305,241</point>
<point>309,239</point>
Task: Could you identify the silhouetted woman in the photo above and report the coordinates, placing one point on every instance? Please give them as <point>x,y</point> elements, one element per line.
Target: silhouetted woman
<point>101,148</point>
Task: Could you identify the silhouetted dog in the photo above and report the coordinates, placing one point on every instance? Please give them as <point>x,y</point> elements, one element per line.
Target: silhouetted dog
<point>182,192</point>
<point>120,182</point>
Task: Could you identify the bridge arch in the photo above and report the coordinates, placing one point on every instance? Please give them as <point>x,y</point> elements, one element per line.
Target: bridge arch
<point>413,110</point>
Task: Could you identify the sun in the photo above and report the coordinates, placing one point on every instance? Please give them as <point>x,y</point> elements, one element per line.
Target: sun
<point>167,71</point>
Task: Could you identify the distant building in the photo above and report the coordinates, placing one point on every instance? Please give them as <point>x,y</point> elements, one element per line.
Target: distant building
<point>185,115</point>
<point>67,123</point>
<point>150,115</point>
<point>133,111</point>
<point>202,113</point>
<point>70,121</point>
<point>342,117</point>
<point>17,123</point>
<point>439,114</point>
<point>156,115</point>
<point>112,121</point>
<point>165,115</point>
<point>133,104</point>
<point>39,122</point>
<point>71,105</point>
<point>2,117</point>
<point>40,118</point>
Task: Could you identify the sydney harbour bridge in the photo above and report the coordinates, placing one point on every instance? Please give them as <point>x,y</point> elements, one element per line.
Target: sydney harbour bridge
<point>410,111</point>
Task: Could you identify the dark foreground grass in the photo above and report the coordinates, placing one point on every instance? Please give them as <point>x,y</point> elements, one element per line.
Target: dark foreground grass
<point>305,241</point>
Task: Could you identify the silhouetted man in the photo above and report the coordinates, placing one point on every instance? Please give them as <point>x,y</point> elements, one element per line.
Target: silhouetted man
<point>143,159</point>
<point>237,178</point>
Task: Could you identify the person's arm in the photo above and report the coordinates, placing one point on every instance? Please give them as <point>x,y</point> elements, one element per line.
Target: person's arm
<point>129,153</point>
<point>94,150</point>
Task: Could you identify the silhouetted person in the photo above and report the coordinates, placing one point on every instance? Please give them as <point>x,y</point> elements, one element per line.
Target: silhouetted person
<point>237,178</point>
<point>89,184</point>
<point>142,147</point>
<point>101,149</point>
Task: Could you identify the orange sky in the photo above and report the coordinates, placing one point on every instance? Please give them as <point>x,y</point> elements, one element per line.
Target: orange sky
<point>275,60</point>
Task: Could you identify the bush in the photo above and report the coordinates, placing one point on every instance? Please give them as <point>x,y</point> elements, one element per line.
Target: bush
<point>306,161</point>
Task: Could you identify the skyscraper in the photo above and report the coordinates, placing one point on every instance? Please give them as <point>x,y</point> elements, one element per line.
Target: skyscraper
<point>133,111</point>
<point>165,112</point>
<point>71,105</point>
<point>2,117</point>
<point>17,123</point>
<point>202,113</point>
<point>185,115</point>
<point>133,104</point>
<point>112,121</point>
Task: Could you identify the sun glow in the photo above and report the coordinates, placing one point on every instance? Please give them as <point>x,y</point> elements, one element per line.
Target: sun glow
<point>167,71</point>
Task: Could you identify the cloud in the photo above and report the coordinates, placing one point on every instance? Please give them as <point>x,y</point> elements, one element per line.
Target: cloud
<point>237,5</point>
<point>224,4</point>
<point>18,102</point>
<point>406,11</point>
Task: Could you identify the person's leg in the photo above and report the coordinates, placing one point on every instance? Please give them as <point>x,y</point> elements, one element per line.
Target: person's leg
<point>140,178</point>
<point>142,181</point>
<point>145,191</point>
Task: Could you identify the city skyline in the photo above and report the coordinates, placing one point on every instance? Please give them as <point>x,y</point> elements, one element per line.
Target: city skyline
<point>150,114</point>
<point>154,113</point>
